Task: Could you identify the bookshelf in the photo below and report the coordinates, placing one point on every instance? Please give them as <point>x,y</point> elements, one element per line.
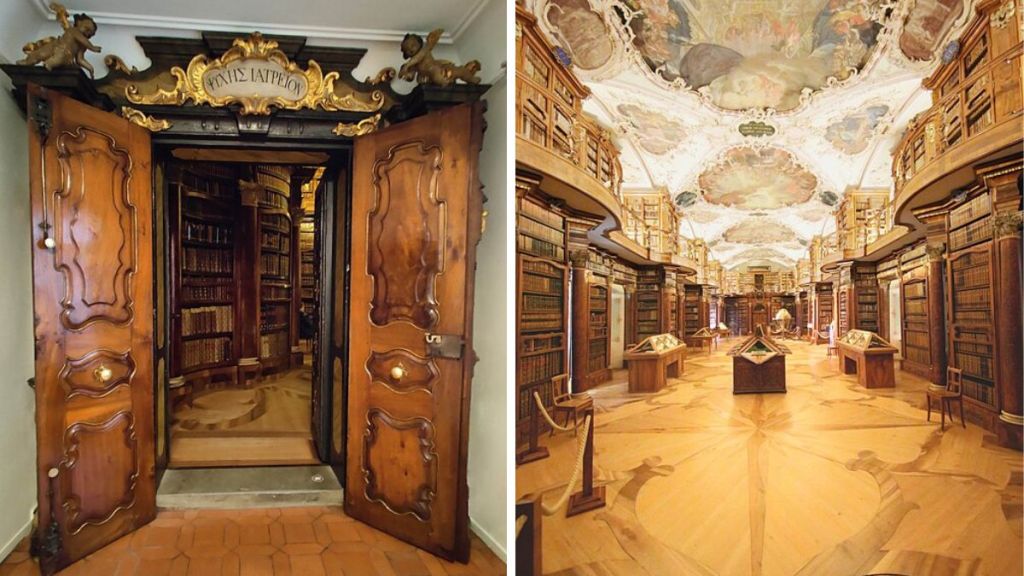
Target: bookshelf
<point>971,311</point>
<point>917,354</point>
<point>542,287</point>
<point>671,323</point>
<point>823,304</point>
<point>737,314</point>
<point>275,232</point>
<point>598,334</point>
<point>204,295</point>
<point>865,304</point>
<point>692,309</point>
<point>648,302</point>
<point>307,271</point>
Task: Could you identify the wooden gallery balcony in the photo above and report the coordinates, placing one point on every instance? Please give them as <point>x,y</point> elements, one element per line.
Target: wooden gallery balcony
<point>574,158</point>
<point>975,115</point>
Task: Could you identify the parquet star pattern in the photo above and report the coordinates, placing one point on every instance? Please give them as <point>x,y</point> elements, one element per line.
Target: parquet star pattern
<point>829,478</point>
<point>303,541</point>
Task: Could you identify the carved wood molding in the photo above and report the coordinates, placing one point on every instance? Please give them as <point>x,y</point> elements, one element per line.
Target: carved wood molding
<point>423,496</point>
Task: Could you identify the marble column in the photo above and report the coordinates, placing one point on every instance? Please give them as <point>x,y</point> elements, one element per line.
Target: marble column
<point>936,314</point>
<point>1007,232</point>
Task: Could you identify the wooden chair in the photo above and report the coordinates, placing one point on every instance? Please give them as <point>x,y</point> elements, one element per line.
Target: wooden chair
<point>567,402</point>
<point>954,392</point>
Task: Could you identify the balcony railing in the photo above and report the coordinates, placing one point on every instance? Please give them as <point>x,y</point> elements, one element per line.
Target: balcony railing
<point>977,102</point>
<point>549,110</point>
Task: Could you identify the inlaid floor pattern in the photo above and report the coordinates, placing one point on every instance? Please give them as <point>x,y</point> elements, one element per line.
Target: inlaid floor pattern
<point>260,542</point>
<point>827,479</point>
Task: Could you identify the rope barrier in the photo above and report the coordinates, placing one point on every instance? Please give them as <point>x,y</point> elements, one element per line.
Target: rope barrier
<point>581,441</point>
<point>544,412</point>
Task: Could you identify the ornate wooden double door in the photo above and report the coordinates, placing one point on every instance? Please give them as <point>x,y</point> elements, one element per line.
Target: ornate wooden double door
<point>415,222</point>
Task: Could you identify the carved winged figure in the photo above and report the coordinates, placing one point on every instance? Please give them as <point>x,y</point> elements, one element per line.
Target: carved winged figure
<point>421,66</point>
<point>66,50</point>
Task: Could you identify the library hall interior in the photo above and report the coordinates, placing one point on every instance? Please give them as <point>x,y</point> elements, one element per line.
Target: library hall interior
<point>768,287</point>
<point>248,303</point>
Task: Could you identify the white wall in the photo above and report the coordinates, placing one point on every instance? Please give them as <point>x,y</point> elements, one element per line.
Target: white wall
<point>17,410</point>
<point>17,427</point>
<point>488,455</point>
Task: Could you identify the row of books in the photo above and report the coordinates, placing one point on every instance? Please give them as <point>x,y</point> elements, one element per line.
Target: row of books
<point>275,240</point>
<point>538,230</point>
<point>967,277</point>
<point>221,188</point>
<point>539,267</point>
<point>274,344</point>
<point>975,232</point>
<point>205,351</point>
<point>203,232</point>
<point>538,343</point>
<point>207,292</point>
<point>540,248</point>
<point>915,290</point>
<point>274,292</point>
<point>207,260</point>
<point>207,319</point>
<point>974,364</point>
<point>275,265</point>
<point>980,391</point>
<point>978,206</point>
<point>541,214</point>
<point>540,322</point>
<point>545,284</point>
<point>541,303</point>
<point>308,271</point>
<point>541,367</point>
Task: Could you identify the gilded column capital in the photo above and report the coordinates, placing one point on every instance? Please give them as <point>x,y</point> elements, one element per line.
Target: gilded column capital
<point>1006,224</point>
<point>935,252</point>
<point>578,258</point>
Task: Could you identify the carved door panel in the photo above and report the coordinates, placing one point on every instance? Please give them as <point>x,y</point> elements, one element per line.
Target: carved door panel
<point>416,209</point>
<point>92,270</point>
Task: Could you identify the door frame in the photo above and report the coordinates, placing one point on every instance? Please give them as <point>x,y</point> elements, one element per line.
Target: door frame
<point>337,186</point>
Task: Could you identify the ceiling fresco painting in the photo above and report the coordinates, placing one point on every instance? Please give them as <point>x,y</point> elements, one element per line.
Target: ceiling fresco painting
<point>756,53</point>
<point>758,179</point>
<point>655,132</point>
<point>582,32</point>
<point>852,134</point>
<point>755,115</point>
<point>759,230</point>
<point>927,25</point>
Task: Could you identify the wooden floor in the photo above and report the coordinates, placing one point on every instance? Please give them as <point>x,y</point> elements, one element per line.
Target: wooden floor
<point>265,542</point>
<point>830,478</point>
<point>266,425</point>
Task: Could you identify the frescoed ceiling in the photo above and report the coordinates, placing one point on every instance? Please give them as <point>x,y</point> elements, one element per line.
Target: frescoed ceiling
<point>757,115</point>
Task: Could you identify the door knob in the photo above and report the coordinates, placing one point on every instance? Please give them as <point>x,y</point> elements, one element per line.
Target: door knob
<point>398,372</point>
<point>103,374</point>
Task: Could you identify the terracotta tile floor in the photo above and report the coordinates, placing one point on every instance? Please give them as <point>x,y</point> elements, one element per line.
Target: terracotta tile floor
<point>260,542</point>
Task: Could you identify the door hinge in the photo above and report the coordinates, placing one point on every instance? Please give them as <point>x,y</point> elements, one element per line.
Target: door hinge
<point>42,115</point>
<point>445,345</point>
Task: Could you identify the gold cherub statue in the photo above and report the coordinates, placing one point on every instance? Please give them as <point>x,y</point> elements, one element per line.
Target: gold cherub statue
<point>421,65</point>
<point>67,50</point>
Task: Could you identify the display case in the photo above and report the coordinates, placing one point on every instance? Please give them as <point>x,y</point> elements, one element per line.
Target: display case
<point>758,364</point>
<point>869,356</point>
<point>653,360</point>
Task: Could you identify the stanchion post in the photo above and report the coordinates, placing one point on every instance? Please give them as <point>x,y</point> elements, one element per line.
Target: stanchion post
<point>533,452</point>
<point>589,497</point>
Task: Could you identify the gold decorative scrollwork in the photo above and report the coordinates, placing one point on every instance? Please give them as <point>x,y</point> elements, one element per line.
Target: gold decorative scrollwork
<point>1002,16</point>
<point>148,122</point>
<point>320,90</point>
<point>364,126</point>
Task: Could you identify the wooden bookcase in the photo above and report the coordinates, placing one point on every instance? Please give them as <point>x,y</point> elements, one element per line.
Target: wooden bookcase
<point>864,307</point>
<point>972,347</point>
<point>307,272</point>
<point>916,342</point>
<point>599,311</point>
<point>737,315</point>
<point>648,302</point>
<point>670,299</point>
<point>275,259</point>
<point>204,291</point>
<point>692,308</point>
<point>823,306</point>
<point>541,306</point>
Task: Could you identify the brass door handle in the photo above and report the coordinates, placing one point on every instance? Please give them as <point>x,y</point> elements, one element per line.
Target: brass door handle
<point>103,374</point>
